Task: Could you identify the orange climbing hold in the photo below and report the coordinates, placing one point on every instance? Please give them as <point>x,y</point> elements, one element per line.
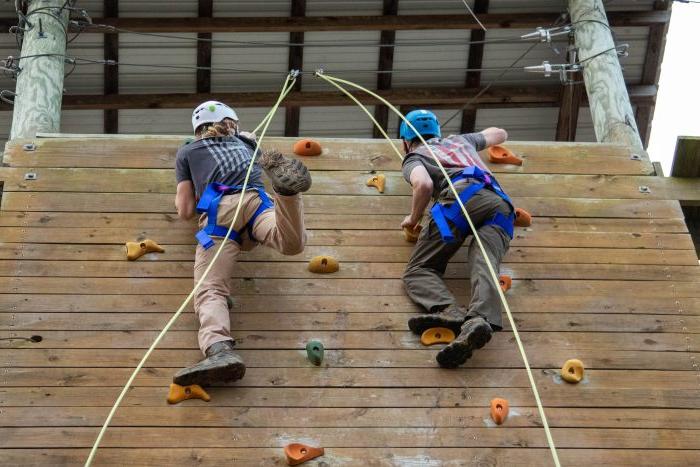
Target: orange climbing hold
<point>298,453</point>
<point>378,181</point>
<point>499,410</point>
<point>411,235</point>
<point>506,282</point>
<point>572,371</point>
<point>503,155</point>
<point>135,250</point>
<point>181,393</point>
<point>307,147</point>
<point>522,218</point>
<point>323,265</point>
<point>437,336</point>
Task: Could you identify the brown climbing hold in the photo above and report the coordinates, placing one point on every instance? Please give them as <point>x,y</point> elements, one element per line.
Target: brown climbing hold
<point>135,250</point>
<point>181,393</point>
<point>506,282</point>
<point>378,181</point>
<point>307,147</point>
<point>412,235</point>
<point>572,371</point>
<point>324,265</point>
<point>499,410</point>
<point>437,336</point>
<point>298,453</point>
<point>503,155</point>
<point>522,218</point>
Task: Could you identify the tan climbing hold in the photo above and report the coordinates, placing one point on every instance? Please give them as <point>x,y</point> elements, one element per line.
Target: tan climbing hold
<point>298,453</point>
<point>412,235</point>
<point>572,371</point>
<point>505,282</point>
<point>135,250</point>
<point>324,265</point>
<point>503,155</point>
<point>378,181</point>
<point>307,147</point>
<point>179,393</point>
<point>522,218</point>
<point>434,336</point>
<point>499,410</point>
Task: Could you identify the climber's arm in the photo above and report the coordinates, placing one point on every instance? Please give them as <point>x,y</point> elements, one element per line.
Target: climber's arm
<point>422,191</point>
<point>184,200</point>
<point>494,136</point>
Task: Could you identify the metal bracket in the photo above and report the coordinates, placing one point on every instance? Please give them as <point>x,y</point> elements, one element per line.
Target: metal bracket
<point>31,176</point>
<point>644,189</point>
<point>29,147</point>
<point>635,157</point>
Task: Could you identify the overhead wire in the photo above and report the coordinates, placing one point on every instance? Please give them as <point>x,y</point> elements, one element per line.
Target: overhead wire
<point>471,12</point>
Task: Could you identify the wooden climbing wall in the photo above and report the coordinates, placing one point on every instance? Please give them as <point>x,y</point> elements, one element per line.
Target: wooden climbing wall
<point>606,274</point>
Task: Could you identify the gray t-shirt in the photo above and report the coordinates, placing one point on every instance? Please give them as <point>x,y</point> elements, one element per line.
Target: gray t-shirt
<point>222,159</point>
<point>455,153</point>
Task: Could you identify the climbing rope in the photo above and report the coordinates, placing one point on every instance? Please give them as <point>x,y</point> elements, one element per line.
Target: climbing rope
<point>288,84</point>
<point>550,441</point>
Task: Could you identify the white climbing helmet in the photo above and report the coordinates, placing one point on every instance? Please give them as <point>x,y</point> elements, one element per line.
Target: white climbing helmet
<point>212,112</point>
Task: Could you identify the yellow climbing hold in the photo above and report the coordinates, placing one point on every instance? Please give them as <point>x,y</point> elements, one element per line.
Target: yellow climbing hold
<point>411,235</point>
<point>324,265</point>
<point>572,371</point>
<point>135,250</point>
<point>437,336</point>
<point>377,181</point>
<point>180,393</point>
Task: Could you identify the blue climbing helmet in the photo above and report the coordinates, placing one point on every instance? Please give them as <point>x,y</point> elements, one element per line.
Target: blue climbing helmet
<point>424,121</point>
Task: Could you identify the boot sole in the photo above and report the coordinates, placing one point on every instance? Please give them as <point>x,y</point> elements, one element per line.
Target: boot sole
<point>208,376</point>
<point>420,324</point>
<point>459,351</point>
<point>288,175</point>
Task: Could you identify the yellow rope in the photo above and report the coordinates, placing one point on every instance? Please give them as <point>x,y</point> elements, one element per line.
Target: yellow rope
<point>288,84</point>
<point>494,276</point>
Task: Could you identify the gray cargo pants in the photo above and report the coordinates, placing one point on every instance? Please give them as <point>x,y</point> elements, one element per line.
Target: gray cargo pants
<point>423,277</point>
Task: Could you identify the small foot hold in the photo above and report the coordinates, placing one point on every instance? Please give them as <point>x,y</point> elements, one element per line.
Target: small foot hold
<point>499,410</point>
<point>135,250</point>
<point>503,155</point>
<point>434,336</point>
<point>324,265</point>
<point>378,181</point>
<point>505,282</point>
<point>411,236</point>
<point>307,147</point>
<point>522,218</point>
<point>314,352</point>
<point>298,453</point>
<point>572,371</point>
<point>179,393</point>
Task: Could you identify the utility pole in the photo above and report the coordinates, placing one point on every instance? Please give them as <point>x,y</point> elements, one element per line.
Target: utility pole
<point>39,87</point>
<point>613,117</point>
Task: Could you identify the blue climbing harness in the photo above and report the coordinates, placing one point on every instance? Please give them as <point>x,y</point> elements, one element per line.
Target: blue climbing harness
<point>453,213</point>
<point>209,203</point>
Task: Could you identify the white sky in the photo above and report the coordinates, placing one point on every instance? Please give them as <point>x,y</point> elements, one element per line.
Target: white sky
<point>678,101</point>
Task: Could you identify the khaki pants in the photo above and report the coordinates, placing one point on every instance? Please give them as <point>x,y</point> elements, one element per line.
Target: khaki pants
<point>281,228</point>
<point>425,269</point>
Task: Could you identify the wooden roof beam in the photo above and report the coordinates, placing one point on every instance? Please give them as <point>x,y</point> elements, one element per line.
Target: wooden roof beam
<point>571,93</point>
<point>206,10</point>
<point>296,62</point>
<point>111,72</point>
<point>357,23</point>
<point>474,62</point>
<point>386,63</point>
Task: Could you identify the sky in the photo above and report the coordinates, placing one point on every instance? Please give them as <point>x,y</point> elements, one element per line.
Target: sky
<point>678,101</point>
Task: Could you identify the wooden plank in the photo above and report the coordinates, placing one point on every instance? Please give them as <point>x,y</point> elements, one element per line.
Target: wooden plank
<point>349,270</point>
<point>540,357</point>
<point>384,457</point>
<point>135,224</point>
<point>155,303</point>
<point>686,160</point>
<point>367,340</point>
<point>338,204</point>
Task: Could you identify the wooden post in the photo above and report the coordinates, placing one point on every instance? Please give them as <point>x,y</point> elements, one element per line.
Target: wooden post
<point>40,80</point>
<point>613,117</point>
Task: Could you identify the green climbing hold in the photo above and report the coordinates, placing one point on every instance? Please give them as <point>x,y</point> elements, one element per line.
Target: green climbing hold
<point>212,108</point>
<point>314,352</point>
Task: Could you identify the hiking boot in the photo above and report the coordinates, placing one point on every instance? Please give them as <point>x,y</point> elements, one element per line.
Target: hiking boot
<point>289,176</point>
<point>451,317</point>
<point>475,334</point>
<point>221,365</point>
